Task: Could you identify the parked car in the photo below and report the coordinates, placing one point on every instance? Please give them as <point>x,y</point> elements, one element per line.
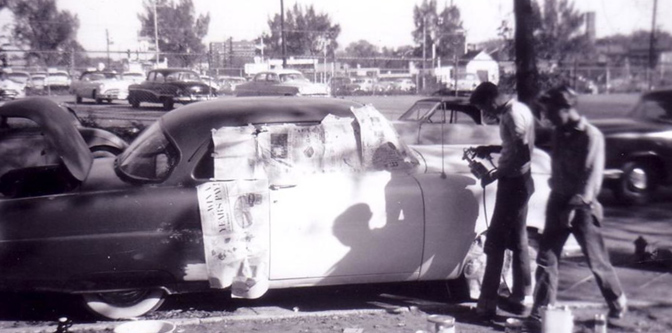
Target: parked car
<point>338,85</point>
<point>124,233</point>
<point>21,77</point>
<point>639,148</point>
<point>38,81</point>
<point>22,143</point>
<point>466,83</point>
<point>361,86</point>
<point>169,86</point>
<point>133,77</point>
<point>405,85</point>
<point>228,84</point>
<point>58,80</point>
<point>99,86</point>
<point>10,89</point>
<point>210,82</point>
<point>282,82</point>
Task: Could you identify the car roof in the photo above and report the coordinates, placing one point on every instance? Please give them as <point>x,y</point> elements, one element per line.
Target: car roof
<point>172,70</point>
<point>184,124</point>
<point>282,71</point>
<point>664,95</point>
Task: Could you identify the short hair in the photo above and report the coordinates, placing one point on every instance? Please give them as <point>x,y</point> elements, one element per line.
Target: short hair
<point>486,91</point>
<point>561,96</point>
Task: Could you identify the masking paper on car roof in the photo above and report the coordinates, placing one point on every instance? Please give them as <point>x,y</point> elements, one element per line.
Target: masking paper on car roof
<point>235,223</point>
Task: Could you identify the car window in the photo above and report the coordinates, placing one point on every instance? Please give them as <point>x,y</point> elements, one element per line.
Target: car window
<point>150,158</point>
<point>653,110</point>
<point>260,77</point>
<point>418,110</point>
<point>271,77</point>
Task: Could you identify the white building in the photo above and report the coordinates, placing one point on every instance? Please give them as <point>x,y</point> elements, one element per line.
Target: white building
<point>476,62</point>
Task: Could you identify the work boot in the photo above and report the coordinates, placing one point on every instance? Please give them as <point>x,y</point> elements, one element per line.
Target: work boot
<point>618,308</point>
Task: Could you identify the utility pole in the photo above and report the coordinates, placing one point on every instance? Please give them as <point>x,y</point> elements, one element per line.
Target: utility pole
<point>424,49</point>
<point>156,32</point>
<point>652,46</point>
<point>107,38</point>
<point>282,33</point>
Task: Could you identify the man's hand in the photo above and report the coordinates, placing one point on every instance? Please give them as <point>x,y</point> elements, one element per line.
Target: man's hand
<point>578,201</point>
<point>488,179</point>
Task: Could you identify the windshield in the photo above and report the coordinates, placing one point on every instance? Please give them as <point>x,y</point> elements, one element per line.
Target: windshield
<point>653,109</point>
<point>418,110</point>
<point>183,76</point>
<point>292,77</point>
<point>150,158</point>
<point>133,75</point>
<point>59,75</point>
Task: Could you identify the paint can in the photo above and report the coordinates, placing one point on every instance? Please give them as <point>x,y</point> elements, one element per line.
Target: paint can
<point>556,320</point>
<point>440,324</point>
<point>600,323</point>
<point>513,325</point>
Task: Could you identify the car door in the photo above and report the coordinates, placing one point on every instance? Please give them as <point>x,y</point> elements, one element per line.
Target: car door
<point>348,221</point>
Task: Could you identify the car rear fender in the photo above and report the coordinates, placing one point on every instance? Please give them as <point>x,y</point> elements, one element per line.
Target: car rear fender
<point>119,281</point>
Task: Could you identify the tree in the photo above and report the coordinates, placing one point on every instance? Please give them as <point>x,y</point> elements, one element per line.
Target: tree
<point>365,51</point>
<point>443,29</point>
<point>306,33</point>
<point>558,31</point>
<point>180,32</point>
<point>46,31</point>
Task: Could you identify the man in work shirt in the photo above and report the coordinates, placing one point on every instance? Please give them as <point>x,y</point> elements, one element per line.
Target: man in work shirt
<point>515,186</point>
<point>576,179</point>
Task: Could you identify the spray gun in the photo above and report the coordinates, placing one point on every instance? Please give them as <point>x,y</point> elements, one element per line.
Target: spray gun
<point>478,169</point>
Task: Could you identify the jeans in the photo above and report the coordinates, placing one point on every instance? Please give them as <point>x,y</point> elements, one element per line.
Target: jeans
<point>508,230</point>
<point>586,228</point>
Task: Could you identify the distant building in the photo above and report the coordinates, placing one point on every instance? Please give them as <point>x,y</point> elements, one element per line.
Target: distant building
<point>231,54</point>
<point>476,62</point>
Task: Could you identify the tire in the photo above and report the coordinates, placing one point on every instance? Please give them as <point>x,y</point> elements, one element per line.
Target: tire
<point>98,100</point>
<point>109,100</point>
<point>124,304</point>
<point>168,104</point>
<point>135,103</point>
<point>78,100</point>
<point>637,183</point>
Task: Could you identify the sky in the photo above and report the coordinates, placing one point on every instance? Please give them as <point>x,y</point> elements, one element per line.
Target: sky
<point>381,22</point>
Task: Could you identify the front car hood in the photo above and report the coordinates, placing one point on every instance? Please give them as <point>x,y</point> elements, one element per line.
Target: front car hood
<point>629,125</point>
<point>59,132</point>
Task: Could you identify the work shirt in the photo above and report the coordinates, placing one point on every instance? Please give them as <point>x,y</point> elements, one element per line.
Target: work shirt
<point>577,160</point>
<point>516,124</point>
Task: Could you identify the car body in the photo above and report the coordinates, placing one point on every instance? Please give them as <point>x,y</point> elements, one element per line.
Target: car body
<point>58,80</point>
<point>21,77</point>
<point>466,83</point>
<point>338,85</point>
<point>282,82</point>
<point>38,81</point>
<point>210,82</point>
<point>124,232</point>
<point>639,148</point>
<point>228,84</point>
<point>133,77</point>
<point>405,85</point>
<point>10,89</point>
<point>99,86</point>
<point>169,86</point>
<point>361,86</point>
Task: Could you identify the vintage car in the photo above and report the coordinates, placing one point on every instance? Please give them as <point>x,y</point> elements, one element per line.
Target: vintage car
<point>99,86</point>
<point>58,80</point>
<point>38,81</point>
<point>282,82</point>
<point>639,148</point>
<point>241,193</point>
<point>210,82</point>
<point>21,77</point>
<point>169,86</point>
<point>405,85</point>
<point>466,83</point>
<point>25,130</point>
<point>228,84</point>
<point>10,89</point>
<point>338,85</point>
<point>133,77</point>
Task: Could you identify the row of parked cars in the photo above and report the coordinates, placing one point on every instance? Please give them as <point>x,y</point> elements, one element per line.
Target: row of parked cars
<point>345,86</point>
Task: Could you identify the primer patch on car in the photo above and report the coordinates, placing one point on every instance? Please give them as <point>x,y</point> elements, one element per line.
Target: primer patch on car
<point>234,219</point>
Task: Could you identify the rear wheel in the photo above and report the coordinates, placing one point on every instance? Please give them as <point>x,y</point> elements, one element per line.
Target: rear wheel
<point>135,103</point>
<point>95,97</point>
<point>124,304</point>
<point>637,184</point>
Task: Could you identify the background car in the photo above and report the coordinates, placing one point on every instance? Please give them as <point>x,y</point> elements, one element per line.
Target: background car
<point>228,84</point>
<point>332,175</point>
<point>169,86</point>
<point>639,148</point>
<point>133,77</point>
<point>466,83</point>
<point>21,77</point>
<point>38,81</point>
<point>10,89</point>
<point>99,86</point>
<point>58,80</point>
<point>361,86</point>
<point>338,85</point>
<point>405,85</point>
<point>282,82</point>
<point>210,82</point>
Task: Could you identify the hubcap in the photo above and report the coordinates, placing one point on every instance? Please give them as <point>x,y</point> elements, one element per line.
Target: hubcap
<point>124,298</point>
<point>638,179</point>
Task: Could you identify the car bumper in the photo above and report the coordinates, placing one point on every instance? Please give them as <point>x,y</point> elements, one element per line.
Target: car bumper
<point>113,94</point>
<point>193,98</point>
<point>612,174</point>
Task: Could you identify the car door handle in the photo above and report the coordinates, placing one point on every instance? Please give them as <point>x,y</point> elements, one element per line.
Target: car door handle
<point>278,187</point>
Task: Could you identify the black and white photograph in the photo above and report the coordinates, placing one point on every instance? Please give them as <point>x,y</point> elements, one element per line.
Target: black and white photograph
<point>335,166</point>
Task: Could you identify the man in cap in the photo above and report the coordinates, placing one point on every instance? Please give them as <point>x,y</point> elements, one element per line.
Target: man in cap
<point>515,186</point>
<point>576,179</point>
